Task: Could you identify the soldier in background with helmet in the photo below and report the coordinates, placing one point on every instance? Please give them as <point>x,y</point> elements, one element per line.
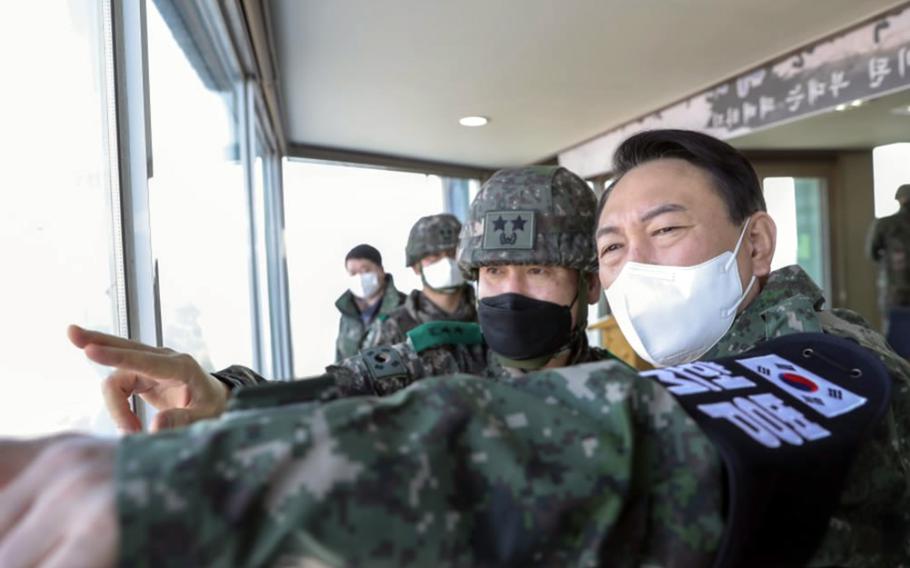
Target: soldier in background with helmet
<point>445,296</point>
<point>888,244</point>
<point>527,242</point>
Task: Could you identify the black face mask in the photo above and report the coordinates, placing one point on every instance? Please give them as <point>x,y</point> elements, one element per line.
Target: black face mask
<point>521,328</point>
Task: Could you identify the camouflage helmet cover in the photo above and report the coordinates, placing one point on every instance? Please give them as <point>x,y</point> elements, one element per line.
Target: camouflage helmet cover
<point>531,215</point>
<point>430,235</point>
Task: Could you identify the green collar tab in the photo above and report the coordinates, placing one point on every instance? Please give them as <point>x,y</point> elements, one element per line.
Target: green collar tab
<point>436,333</point>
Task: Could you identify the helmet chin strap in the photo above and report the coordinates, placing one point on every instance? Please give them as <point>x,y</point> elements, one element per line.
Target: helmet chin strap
<point>581,324</point>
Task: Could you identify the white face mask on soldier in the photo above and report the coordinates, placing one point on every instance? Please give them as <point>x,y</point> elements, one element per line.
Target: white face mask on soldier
<point>443,274</point>
<point>363,285</point>
<point>674,314</point>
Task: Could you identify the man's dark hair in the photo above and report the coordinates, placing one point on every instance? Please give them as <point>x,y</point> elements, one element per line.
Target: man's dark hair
<point>364,251</point>
<point>733,175</point>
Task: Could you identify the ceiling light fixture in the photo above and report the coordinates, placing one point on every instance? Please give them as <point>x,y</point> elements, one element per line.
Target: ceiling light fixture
<point>840,108</point>
<point>473,120</point>
<point>857,102</point>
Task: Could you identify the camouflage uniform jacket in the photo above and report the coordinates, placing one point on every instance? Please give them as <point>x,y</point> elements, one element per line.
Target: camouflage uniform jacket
<point>872,523</point>
<point>417,309</point>
<point>351,329</point>
<point>888,244</point>
<point>578,466</point>
<point>585,465</point>
<point>351,377</point>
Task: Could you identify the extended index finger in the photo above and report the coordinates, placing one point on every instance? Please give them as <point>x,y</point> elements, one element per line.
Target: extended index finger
<point>82,337</point>
<point>153,365</point>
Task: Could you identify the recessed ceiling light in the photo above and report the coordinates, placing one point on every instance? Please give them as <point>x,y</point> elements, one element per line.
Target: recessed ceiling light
<point>473,120</point>
<point>840,108</point>
<point>856,103</point>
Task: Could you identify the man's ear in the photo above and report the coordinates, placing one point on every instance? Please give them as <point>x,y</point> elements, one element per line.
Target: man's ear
<point>762,233</point>
<point>416,268</point>
<point>593,288</point>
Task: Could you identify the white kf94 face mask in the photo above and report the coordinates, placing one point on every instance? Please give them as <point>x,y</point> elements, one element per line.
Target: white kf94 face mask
<point>674,314</point>
<point>363,285</point>
<point>443,275</point>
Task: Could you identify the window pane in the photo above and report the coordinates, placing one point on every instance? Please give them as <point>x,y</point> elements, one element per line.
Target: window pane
<point>891,169</point>
<point>260,219</point>
<point>55,218</point>
<point>328,210</point>
<point>200,231</point>
<point>799,210</point>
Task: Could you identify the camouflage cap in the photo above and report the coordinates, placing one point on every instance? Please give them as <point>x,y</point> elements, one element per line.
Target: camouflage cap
<point>903,192</point>
<point>431,234</point>
<point>531,215</point>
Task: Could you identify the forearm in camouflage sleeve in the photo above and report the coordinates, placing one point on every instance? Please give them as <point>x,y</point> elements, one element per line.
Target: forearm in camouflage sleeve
<point>555,470</point>
<point>360,375</point>
<point>237,376</point>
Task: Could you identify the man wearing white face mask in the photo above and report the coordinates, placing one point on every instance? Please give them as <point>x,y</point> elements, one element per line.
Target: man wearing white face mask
<point>430,253</point>
<point>685,247</point>
<point>371,294</point>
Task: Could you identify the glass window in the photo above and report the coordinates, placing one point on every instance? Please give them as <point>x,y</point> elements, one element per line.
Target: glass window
<point>799,209</point>
<point>198,203</point>
<point>891,169</point>
<point>328,210</point>
<point>55,219</point>
<point>261,223</point>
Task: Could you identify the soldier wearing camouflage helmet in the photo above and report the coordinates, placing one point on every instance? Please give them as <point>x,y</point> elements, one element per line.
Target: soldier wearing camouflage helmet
<point>430,253</point>
<point>888,245</point>
<point>527,242</point>
<point>698,465</point>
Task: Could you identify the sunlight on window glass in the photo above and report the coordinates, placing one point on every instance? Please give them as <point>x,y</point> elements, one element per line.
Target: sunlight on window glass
<point>328,210</point>
<point>55,221</point>
<point>799,208</point>
<point>780,197</point>
<point>200,231</point>
<point>891,169</point>
<point>259,215</point>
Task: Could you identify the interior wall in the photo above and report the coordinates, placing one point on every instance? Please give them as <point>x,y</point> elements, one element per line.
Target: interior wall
<point>850,212</point>
<point>853,211</point>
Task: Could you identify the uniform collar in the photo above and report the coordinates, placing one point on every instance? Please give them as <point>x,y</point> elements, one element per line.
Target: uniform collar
<point>788,303</point>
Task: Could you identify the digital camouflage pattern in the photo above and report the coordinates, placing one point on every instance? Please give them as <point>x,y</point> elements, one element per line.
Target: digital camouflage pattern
<point>871,525</point>
<point>584,466</point>
<point>557,232</point>
<point>581,466</point>
<point>430,235</point>
<point>353,378</point>
<point>417,309</point>
<point>888,244</point>
<point>351,330</point>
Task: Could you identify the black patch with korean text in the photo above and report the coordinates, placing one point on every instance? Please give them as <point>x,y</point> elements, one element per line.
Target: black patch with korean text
<point>787,419</point>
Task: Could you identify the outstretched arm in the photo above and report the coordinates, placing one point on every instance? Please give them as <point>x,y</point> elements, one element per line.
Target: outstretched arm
<point>172,382</point>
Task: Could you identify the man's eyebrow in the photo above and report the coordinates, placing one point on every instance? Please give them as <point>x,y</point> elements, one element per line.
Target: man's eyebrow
<point>660,210</point>
<point>605,231</point>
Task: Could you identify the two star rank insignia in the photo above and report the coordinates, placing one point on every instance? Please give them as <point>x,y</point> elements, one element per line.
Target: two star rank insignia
<point>509,230</point>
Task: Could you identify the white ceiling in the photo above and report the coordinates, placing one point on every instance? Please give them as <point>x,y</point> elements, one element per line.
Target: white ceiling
<point>394,76</point>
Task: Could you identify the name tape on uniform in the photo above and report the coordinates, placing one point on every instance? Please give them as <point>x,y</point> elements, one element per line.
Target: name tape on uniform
<point>764,417</point>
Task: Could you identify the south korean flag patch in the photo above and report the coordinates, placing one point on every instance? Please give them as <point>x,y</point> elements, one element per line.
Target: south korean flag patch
<point>819,394</point>
<point>787,419</point>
